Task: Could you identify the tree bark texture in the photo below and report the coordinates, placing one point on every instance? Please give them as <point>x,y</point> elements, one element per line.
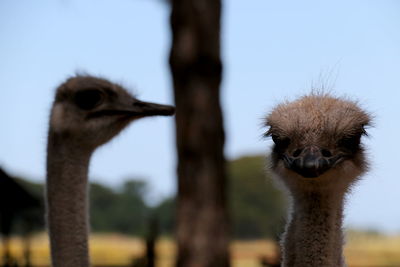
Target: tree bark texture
<point>202,217</point>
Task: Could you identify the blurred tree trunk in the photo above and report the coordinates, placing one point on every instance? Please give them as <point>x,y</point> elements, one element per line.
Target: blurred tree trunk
<point>151,240</point>
<point>202,219</point>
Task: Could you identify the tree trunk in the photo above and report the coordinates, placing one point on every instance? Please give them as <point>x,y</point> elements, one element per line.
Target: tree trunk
<point>202,219</point>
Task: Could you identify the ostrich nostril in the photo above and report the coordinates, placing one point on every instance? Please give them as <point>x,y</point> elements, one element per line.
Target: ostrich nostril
<point>326,153</point>
<point>297,152</point>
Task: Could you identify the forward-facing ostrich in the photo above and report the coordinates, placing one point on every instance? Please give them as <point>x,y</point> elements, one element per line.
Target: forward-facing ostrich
<point>87,112</point>
<point>317,154</point>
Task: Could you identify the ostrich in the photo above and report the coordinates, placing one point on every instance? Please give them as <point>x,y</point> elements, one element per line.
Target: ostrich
<point>317,156</point>
<point>87,112</point>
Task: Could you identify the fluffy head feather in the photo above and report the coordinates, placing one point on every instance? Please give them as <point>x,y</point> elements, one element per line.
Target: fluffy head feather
<point>332,125</point>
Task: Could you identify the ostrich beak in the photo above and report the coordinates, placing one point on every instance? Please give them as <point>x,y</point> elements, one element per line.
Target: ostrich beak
<point>137,109</point>
<point>311,162</point>
<point>142,108</point>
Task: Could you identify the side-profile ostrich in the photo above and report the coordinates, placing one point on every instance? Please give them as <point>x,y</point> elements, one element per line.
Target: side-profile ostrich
<point>87,112</point>
<point>317,155</point>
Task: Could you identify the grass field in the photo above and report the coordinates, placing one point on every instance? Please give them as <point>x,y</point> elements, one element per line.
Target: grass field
<point>362,250</point>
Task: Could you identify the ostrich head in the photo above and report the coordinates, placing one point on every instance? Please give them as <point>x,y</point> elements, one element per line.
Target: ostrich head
<point>89,111</point>
<point>317,141</point>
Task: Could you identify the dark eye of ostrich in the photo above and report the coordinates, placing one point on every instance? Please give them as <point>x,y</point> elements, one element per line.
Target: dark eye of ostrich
<point>350,143</point>
<point>280,142</point>
<point>88,99</point>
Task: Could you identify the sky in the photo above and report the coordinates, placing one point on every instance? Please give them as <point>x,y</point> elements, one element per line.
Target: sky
<point>272,51</point>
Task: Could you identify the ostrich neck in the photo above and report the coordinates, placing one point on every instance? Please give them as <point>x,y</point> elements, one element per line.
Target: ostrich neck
<point>67,205</point>
<point>314,236</point>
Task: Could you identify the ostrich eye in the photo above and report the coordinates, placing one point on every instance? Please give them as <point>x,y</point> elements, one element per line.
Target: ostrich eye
<point>281,142</point>
<point>88,99</point>
<point>351,143</point>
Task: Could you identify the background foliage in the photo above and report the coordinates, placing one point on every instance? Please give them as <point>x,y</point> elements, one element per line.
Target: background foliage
<point>257,208</point>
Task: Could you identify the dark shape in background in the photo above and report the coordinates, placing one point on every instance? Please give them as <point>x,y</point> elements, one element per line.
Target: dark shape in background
<point>150,257</point>
<point>202,229</point>
<point>20,211</point>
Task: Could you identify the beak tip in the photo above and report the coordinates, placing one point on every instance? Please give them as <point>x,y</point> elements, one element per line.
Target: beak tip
<point>166,111</point>
<point>152,109</point>
<point>170,111</point>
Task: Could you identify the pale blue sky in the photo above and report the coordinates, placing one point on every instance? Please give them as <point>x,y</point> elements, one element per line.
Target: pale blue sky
<point>272,50</point>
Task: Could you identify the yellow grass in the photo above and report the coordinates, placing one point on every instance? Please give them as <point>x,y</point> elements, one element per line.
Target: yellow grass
<point>373,250</point>
<point>114,249</point>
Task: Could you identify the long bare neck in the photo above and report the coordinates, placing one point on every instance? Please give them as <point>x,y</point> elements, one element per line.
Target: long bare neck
<point>314,235</point>
<point>67,204</point>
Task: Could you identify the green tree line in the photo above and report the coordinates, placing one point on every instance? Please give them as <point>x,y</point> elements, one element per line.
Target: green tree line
<point>257,208</point>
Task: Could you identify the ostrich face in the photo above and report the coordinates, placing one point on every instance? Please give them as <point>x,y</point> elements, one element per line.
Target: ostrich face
<point>317,138</point>
<point>91,111</point>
